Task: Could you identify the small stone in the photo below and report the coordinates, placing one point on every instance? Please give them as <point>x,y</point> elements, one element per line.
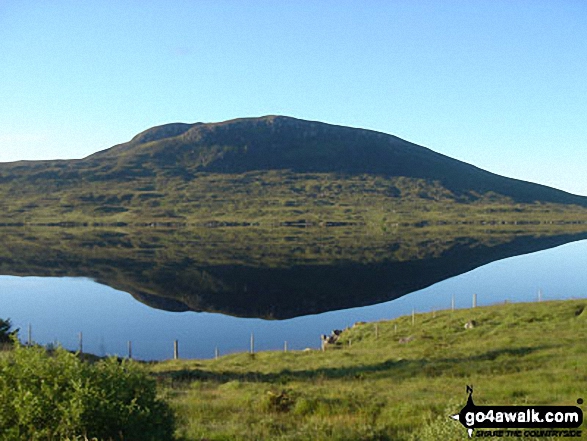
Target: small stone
<point>470,324</point>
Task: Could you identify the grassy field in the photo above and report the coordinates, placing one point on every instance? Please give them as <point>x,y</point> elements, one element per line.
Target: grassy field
<point>372,385</point>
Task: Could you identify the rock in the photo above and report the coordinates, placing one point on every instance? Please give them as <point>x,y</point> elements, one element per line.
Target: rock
<point>470,324</point>
<point>405,340</point>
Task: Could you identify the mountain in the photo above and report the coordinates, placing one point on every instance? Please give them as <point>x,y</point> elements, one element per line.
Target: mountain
<point>278,142</point>
<point>273,167</point>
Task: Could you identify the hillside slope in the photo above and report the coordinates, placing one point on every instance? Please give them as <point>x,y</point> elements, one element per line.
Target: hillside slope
<point>392,380</point>
<point>284,143</point>
<point>269,169</point>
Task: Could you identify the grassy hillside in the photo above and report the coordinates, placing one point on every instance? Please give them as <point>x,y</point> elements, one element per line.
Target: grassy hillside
<point>271,170</point>
<point>371,386</point>
<point>284,143</point>
<point>267,199</point>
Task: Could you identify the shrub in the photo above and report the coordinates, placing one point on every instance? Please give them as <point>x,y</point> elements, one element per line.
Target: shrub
<point>442,426</point>
<point>5,331</point>
<point>46,396</point>
<point>277,401</point>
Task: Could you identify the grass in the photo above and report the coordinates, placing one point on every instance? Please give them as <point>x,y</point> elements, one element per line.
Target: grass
<point>380,389</point>
<point>265,198</point>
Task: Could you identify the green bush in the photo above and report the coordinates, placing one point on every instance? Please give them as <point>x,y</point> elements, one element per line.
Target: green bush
<point>5,331</point>
<point>277,401</point>
<point>53,395</point>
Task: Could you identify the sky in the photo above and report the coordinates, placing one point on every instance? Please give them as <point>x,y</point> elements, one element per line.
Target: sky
<point>498,84</point>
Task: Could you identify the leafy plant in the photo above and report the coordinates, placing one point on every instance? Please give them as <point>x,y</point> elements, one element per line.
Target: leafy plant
<point>278,401</point>
<point>57,396</point>
<point>6,333</point>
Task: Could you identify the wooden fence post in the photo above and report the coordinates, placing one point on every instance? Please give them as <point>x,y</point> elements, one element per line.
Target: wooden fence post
<point>175,349</point>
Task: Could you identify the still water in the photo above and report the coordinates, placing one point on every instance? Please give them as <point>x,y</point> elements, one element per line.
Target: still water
<point>59,308</point>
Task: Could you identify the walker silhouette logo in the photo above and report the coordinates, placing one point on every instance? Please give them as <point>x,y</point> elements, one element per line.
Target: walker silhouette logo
<point>520,417</point>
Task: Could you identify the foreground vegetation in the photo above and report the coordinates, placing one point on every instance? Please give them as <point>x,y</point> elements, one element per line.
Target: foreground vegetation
<point>393,380</point>
<point>56,396</point>
<point>371,386</point>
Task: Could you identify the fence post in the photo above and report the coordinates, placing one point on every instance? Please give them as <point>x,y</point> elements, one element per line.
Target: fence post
<point>376,331</point>
<point>81,343</point>
<point>453,303</point>
<point>252,343</point>
<point>216,353</point>
<point>130,350</point>
<point>474,300</point>
<point>30,340</point>
<point>285,346</point>
<point>413,316</point>
<point>175,349</point>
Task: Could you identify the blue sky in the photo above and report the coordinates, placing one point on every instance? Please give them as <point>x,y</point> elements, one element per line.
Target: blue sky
<point>499,84</point>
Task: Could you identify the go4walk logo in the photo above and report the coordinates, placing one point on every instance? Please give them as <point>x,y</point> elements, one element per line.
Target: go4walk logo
<point>507,418</point>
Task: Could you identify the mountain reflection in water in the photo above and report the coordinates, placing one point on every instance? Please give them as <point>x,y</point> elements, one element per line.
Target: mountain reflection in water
<point>265,273</point>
